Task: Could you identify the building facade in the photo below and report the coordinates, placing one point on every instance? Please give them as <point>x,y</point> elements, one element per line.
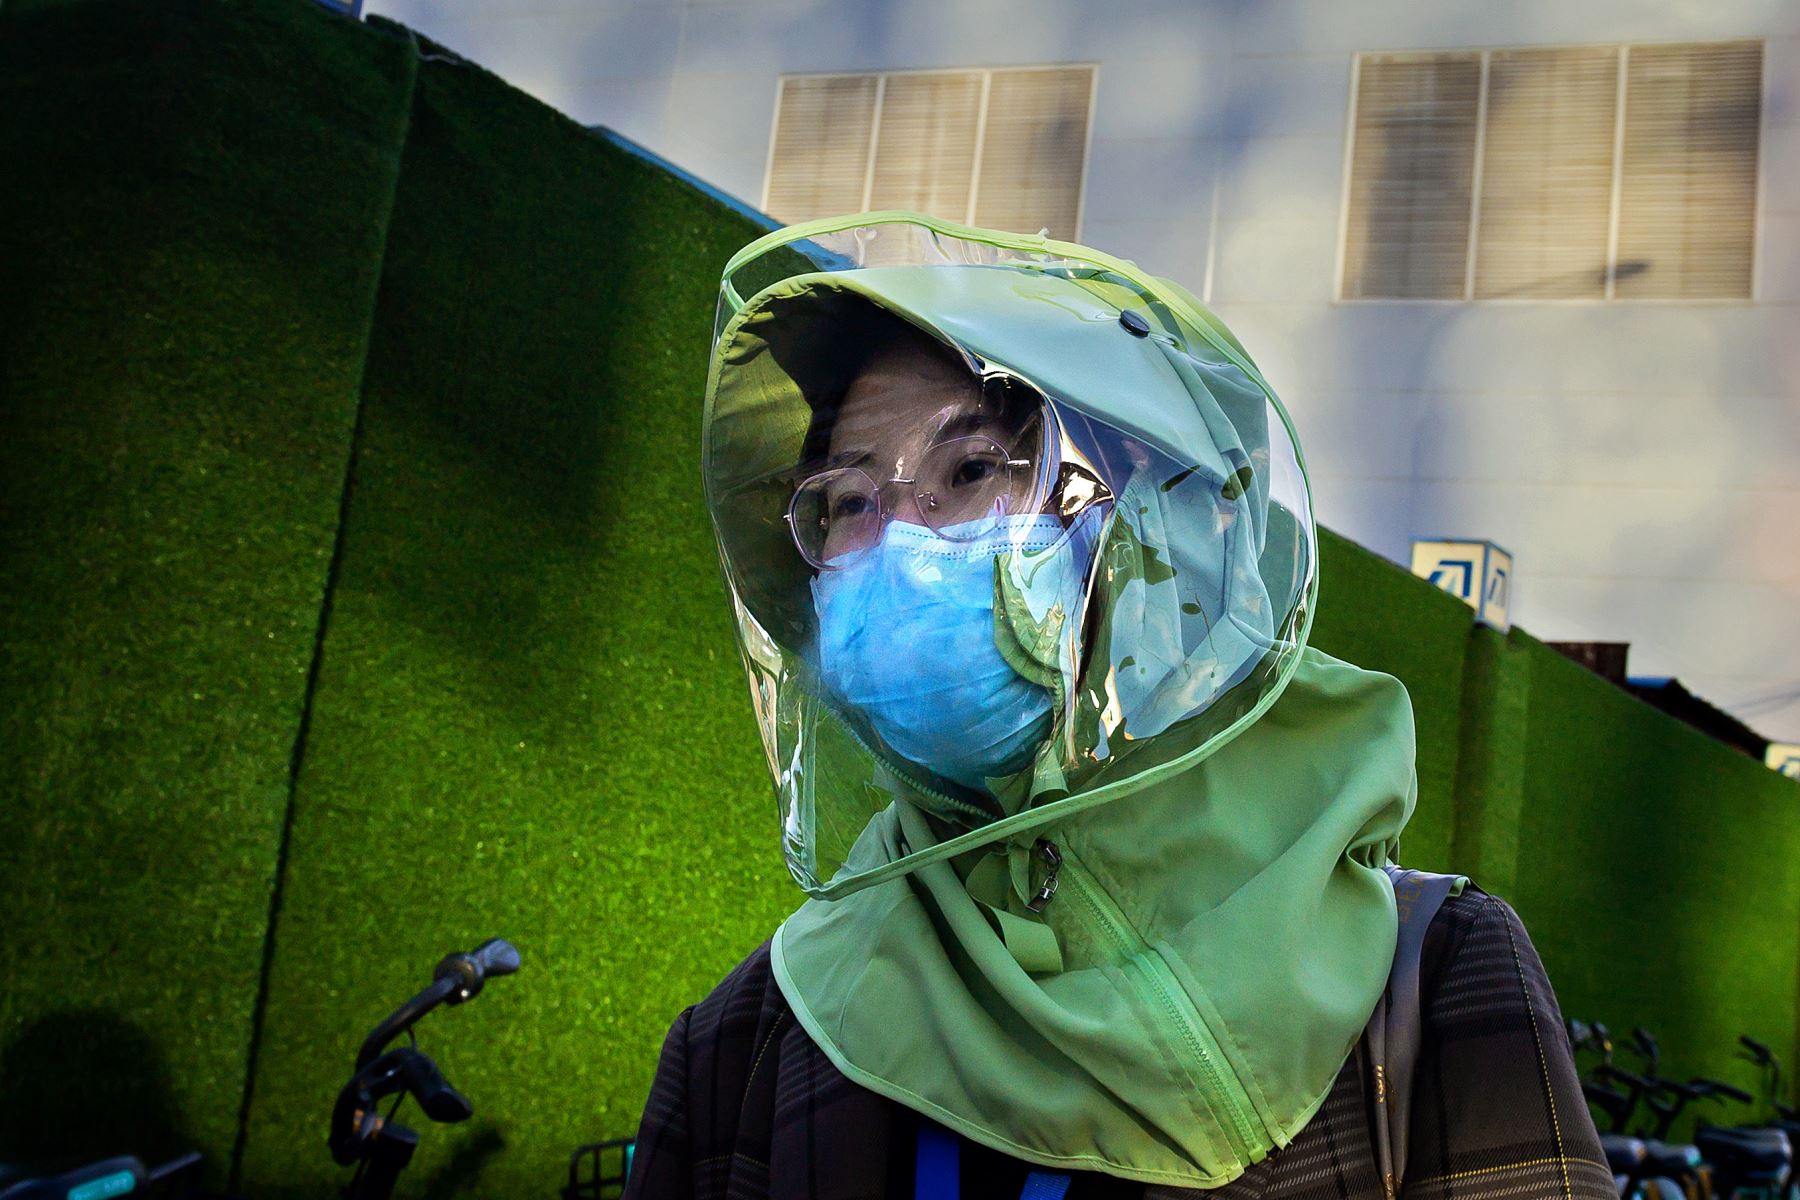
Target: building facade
<point>1525,272</point>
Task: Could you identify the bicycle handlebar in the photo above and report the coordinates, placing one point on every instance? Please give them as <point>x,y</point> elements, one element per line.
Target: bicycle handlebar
<point>496,956</point>
<point>360,1133</point>
<point>458,977</point>
<point>107,1177</point>
<point>402,1018</point>
<point>1712,1087</point>
<point>1601,1094</point>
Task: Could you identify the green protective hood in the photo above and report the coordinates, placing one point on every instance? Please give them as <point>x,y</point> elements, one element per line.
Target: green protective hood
<point>1211,813</point>
<point>1220,939</point>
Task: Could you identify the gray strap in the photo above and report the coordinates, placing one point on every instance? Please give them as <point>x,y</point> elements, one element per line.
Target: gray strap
<point>1396,1029</point>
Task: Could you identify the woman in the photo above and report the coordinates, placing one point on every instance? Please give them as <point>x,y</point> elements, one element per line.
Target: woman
<point>1023,562</point>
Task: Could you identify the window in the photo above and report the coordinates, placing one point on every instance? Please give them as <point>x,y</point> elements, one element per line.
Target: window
<point>1597,173</point>
<point>1005,149</point>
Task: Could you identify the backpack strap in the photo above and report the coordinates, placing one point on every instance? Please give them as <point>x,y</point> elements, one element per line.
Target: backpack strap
<point>938,1171</point>
<point>1393,1034</point>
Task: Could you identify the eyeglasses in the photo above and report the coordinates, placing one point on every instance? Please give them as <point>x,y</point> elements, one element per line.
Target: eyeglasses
<point>961,487</point>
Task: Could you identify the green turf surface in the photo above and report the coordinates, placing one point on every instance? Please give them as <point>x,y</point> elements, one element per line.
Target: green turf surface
<point>1375,615</point>
<point>528,717</point>
<point>1659,874</point>
<point>531,720</point>
<point>190,220</point>
<point>1491,761</point>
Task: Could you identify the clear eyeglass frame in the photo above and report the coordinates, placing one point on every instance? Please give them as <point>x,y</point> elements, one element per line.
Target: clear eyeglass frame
<point>836,515</point>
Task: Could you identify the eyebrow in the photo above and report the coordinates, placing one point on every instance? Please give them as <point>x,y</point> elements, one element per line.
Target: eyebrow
<point>962,425</point>
<point>847,458</point>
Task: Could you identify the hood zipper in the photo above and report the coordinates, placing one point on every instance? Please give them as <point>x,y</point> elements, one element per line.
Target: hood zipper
<point>1223,1090</point>
<point>1052,865</point>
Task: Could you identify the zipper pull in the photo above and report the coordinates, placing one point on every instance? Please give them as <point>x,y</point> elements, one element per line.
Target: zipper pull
<point>1052,863</point>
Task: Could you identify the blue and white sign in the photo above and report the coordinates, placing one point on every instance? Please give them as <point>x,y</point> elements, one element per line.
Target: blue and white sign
<point>1784,757</point>
<point>1478,572</point>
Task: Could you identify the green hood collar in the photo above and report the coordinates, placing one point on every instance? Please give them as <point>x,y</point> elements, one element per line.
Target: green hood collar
<point>1214,947</point>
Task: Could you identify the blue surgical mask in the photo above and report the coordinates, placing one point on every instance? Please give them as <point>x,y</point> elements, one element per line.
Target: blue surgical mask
<point>906,638</point>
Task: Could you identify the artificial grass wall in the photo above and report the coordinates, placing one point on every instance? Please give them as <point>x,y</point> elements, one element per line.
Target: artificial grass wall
<point>527,717</point>
<point>530,718</point>
<point>190,228</point>
<point>1372,614</point>
<point>1659,873</point>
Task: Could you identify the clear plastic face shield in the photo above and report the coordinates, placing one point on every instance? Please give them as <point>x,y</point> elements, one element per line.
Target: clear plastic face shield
<point>1009,529</point>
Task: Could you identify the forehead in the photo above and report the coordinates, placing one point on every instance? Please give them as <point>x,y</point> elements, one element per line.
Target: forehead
<point>903,392</point>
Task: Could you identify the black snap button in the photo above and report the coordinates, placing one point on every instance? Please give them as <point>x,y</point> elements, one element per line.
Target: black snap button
<point>1134,323</point>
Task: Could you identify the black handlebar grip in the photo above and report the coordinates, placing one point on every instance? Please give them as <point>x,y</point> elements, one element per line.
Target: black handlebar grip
<point>470,971</point>
<point>1698,1087</point>
<point>1762,1052</point>
<point>441,1102</point>
<point>497,956</point>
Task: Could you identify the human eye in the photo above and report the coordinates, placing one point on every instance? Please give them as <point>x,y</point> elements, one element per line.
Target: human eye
<point>849,504</point>
<point>973,469</point>
<point>973,463</point>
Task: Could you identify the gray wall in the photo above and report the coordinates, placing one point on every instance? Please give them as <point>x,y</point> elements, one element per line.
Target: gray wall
<point>1642,461</point>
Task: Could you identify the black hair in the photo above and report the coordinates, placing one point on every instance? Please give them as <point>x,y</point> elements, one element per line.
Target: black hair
<point>869,334</point>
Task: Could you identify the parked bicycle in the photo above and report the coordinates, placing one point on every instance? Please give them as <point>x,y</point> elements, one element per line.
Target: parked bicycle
<point>363,1135</point>
<point>598,1170</point>
<point>1643,1167</point>
<point>124,1175</point>
<point>1747,1162</point>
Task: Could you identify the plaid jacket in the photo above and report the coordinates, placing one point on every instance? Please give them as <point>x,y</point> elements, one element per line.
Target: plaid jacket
<point>745,1106</point>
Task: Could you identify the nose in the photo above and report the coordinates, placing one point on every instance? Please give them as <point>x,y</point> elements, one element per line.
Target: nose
<point>901,499</point>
